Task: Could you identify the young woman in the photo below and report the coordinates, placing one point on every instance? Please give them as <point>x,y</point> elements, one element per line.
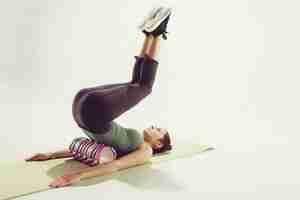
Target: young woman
<point>95,108</point>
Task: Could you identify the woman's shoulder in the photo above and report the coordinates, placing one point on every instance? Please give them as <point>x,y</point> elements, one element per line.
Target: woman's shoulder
<point>133,132</point>
<point>134,136</point>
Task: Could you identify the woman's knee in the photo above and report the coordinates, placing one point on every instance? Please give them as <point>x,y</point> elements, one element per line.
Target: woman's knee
<point>77,104</point>
<point>78,97</point>
<point>81,93</point>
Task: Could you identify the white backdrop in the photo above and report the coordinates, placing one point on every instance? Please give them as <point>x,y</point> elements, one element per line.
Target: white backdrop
<point>228,76</point>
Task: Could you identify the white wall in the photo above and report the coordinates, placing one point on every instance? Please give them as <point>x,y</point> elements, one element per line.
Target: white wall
<point>228,74</point>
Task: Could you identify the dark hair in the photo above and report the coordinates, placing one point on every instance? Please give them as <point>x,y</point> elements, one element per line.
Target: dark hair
<point>166,141</point>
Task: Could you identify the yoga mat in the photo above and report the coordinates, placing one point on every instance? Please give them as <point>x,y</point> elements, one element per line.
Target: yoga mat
<point>20,178</point>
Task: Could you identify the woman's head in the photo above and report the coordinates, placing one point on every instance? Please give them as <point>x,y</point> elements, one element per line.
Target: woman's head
<point>158,138</point>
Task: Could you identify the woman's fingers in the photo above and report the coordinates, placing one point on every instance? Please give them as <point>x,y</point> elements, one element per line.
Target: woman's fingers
<point>31,158</point>
<point>65,180</point>
<point>38,157</point>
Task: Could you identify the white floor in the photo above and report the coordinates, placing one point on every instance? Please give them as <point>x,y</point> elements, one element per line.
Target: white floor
<point>267,173</point>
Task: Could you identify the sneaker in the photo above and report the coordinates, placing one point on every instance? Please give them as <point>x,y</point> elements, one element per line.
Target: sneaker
<point>158,25</point>
<point>150,17</point>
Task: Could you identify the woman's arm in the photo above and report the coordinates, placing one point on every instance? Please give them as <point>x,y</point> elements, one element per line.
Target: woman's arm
<point>61,154</point>
<point>47,156</point>
<point>138,157</point>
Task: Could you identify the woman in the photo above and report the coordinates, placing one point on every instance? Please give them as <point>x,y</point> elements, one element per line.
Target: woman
<point>95,108</point>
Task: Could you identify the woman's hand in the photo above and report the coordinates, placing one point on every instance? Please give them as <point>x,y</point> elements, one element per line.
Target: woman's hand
<point>65,180</point>
<point>40,157</point>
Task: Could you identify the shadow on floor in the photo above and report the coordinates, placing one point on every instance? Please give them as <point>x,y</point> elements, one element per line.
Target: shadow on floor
<point>143,177</point>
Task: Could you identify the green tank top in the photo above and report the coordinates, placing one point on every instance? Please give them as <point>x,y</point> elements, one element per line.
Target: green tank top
<point>123,140</point>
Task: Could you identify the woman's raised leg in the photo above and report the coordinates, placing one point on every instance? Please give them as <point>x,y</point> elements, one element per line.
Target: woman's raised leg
<point>146,45</point>
<point>154,48</point>
<point>94,108</point>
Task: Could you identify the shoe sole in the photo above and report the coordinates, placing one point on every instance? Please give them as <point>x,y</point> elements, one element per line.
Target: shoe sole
<point>152,25</point>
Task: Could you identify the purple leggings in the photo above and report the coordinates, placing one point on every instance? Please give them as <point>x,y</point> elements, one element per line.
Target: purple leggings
<point>94,108</point>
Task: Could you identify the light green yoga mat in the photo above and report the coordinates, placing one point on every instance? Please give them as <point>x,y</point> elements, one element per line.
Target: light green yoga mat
<point>19,178</point>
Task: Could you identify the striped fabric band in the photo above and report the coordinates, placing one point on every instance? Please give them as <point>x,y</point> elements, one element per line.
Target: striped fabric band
<point>88,151</point>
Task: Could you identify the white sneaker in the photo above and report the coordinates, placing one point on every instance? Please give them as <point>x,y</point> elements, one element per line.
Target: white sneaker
<point>150,16</point>
<point>155,17</point>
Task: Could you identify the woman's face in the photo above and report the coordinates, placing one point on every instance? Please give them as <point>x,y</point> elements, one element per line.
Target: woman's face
<point>153,135</point>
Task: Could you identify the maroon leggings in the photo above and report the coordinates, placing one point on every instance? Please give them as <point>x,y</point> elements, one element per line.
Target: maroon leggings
<point>94,108</point>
